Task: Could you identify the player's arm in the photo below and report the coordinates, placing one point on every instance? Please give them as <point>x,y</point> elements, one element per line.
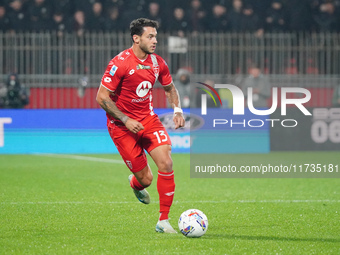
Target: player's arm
<point>173,99</point>
<point>104,100</point>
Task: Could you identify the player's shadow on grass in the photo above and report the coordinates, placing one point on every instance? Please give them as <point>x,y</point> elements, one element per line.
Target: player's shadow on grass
<point>270,238</point>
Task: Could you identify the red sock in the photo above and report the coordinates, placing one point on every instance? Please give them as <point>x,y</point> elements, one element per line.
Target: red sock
<point>135,184</point>
<point>166,190</point>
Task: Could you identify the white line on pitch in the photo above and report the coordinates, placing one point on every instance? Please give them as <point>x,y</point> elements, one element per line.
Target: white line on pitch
<point>177,202</point>
<point>77,157</point>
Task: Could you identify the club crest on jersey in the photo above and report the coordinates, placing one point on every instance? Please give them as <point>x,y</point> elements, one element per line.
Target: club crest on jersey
<point>141,67</point>
<point>155,65</point>
<point>156,70</point>
<point>113,70</point>
<point>143,88</point>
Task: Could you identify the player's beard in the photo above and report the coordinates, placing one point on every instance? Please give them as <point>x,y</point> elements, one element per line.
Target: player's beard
<point>145,49</point>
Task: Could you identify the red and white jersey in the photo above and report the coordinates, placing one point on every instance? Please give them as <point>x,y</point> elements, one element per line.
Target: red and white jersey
<point>132,81</point>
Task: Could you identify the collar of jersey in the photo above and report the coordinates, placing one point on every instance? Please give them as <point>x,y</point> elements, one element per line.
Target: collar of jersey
<point>141,60</point>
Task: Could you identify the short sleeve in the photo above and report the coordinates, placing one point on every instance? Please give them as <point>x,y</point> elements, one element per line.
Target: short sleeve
<point>112,76</point>
<point>164,75</point>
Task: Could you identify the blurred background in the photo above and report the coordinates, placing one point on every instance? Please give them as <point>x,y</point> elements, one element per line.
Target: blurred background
<point>58,49</point>
<point>53,52</point>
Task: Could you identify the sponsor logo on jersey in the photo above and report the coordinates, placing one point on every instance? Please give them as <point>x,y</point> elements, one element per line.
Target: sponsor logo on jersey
<point>138,100</point>
<point>113,70</point>
<point>132,71</point>
<point>143,88</point>
<point>141,67</point>
<point>107,79</point>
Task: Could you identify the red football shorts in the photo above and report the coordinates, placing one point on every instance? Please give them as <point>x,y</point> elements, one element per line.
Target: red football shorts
<point>131,146</point>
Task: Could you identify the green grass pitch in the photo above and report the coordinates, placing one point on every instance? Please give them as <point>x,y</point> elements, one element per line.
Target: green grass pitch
<point>57,205</point>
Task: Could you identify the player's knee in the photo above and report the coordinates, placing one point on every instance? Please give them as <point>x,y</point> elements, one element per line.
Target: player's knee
<point>146,181</point>
<point>166,165</point>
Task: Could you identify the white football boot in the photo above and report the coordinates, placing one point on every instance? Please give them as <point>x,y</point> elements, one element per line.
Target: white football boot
<point>163,226</point>
<point>142,195</point>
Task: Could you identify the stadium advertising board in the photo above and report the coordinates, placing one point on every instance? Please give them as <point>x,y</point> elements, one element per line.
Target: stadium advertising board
<point>84,131</point>
<point>319,132</point>
<point>66,131</point>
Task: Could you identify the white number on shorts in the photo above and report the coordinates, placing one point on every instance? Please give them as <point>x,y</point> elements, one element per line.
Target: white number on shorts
<point>160,134</point>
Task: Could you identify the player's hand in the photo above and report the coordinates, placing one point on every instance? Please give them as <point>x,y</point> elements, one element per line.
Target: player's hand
<point>134,126</point>
<point>178,120</point>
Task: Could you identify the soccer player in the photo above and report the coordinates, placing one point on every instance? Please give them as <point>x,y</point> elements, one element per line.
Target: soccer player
<point>125,93</point>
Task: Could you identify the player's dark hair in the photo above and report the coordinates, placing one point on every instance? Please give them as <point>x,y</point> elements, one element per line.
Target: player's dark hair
<point>137,26</point>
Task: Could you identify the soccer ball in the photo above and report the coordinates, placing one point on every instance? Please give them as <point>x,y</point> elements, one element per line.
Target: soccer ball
<point>193,223</point>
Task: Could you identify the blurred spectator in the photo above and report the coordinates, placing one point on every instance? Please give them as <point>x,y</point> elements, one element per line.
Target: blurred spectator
<point>40,13</point>
<point>299,15</point>
<point>3,95</point>
<point>250,22</point>
<point>138,5</point>
<point>16,93</point>
<point>68,66</point>
<point>179,24</point>
<point>235,23</point>
<point>311,67</point>
<point>59,24</point>
<point>218,22</point>
<point>96,21</point>
<point>77,23</point>
<point>260,6</point>
<point>154,13</point>
<point>261,87</point>
<point>275,18</point>
<point>326,18</point>
<point>185,5</point>
<point>112,20</point>
<point>85,6</point>
<point>17,16</point>
<point>226,3</point>
<point>82,85</point>
<point>235,16</point>
<point>336,96</point>
<point>291,66</point>
<point>132,9</point>
<point>197,16</point>
<point>182,82</point>
<point>113,3</point>
<point>66,7</point>
<point>4,20</point>
<point>217,15</point>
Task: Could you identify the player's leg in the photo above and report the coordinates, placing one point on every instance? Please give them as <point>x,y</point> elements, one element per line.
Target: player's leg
<point>142,179</point>
<point>135,159</point>
<point>165,181</point>
<point>165,185</point>
<point>157,142</point>
<point>139,181</point>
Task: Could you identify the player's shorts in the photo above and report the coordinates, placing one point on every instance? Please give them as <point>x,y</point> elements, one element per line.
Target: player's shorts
<point>131,146</point>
